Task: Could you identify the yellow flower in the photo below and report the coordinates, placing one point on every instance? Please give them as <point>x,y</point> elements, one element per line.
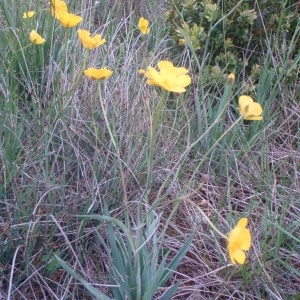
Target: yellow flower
<point>238,241</point>
<point>97,74</point>
<point>181,42</point>
<point>28,14</point>
<point>249,109</point>
<point>144,26</point>
<point>68,20</point>
<point>35,38</point>
<point>169,77</point>
<point>58,7</point>
<point>230,78</point>
<point>88,41</point>
<point>141,71</point>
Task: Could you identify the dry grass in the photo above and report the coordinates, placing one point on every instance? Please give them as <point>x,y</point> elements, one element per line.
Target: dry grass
<point>65,167</point>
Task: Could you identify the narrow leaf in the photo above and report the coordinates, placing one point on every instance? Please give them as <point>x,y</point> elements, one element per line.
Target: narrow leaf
<point>93,291</point>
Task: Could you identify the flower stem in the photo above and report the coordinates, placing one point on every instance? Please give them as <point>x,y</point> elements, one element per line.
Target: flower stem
<point>188,149</point>
<point>205,217</point>
<point>154,121</point>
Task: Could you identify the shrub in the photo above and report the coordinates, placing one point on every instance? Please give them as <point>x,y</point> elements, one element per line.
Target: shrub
<point>219,30</point>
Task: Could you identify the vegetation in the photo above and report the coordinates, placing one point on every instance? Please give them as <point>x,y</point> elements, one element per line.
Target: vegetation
<point>132,167</point>
<point>232,34</point>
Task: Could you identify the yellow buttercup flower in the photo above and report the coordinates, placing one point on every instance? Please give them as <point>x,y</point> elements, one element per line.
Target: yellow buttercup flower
<point>88,41</point>
<point>230,78</point>
<point>35,38</point>
<point>58,7</point>
<point>249,109</point>
<point>28,14</point>
<point>144,26</point>
<point>239,241</point>
<point>98,74</point>
<point>170,78</point>
<point>68,20</point>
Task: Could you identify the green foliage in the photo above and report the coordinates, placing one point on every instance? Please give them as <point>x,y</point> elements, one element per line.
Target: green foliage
<point>93,291</point>
<point>138,264</point>
<point>71,149</point>
<point>25,72</point>
<point>11,131</point>
<point>231,34</point>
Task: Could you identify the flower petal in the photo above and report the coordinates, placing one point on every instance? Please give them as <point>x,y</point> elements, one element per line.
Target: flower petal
<point>255,109</point>
<point>88,41</point>
<point>165,64</point>
<point>238,241</point>
<point>231,256</point>
<point>253,118</point>
<point>68,20</point>
<point>98,74</point>
<point>243,222</point>
<point>249,109</point>
<point>35,38</point>
<point>239,256</point>
<point>28,14</point>
<point>57,7</point>
<point>168,77</point>
<point>184,80</point>
<point>143,26</point>
<point>245,100</point>
<point>245,239</point>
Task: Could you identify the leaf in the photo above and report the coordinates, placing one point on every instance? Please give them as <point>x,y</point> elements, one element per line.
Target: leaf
<point>93,291</point>
<point>164,273</point>
<point>172,266</point>
<point>169,292</point>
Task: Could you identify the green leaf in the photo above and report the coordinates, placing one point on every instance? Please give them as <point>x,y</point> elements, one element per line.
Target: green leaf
<point>93,291</point>
<point>286,232</point>
<point>169,292</point>
<point>164,273</point>
<point>172,266</point>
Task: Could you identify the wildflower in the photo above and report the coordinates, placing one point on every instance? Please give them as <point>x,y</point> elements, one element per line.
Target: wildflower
<point>28,14</point>
<point>97,74</point>
<point>230,78</point>
<point>181,42</point>
<point>68,20</point>
<point>238,241</point>
<point>35,38</point>
<point>141,71</point>
<point>169,77</point>
<point>144,26</point>
<point>249,109</point>
<point>88,41</point>
<point>58,7</point>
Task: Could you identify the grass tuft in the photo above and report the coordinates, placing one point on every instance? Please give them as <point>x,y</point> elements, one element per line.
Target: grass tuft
<point>119,190</point>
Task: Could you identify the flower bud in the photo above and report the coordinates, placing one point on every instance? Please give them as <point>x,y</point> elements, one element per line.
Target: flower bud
<point>230,78</point>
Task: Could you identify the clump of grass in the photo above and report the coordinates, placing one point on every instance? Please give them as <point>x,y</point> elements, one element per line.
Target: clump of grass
<point>108,190</point>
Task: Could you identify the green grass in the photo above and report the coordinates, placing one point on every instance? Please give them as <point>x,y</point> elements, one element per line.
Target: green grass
<point>102,201</point>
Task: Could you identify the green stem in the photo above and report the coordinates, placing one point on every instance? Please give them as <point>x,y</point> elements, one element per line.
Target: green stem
<point>153,134</point>
<point>188,149</point>
<point>79,75</point>
<point>186,197</point>
<point>205,217</point>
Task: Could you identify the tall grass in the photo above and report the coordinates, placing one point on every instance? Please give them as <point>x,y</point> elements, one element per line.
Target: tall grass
<point>101,183</point>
